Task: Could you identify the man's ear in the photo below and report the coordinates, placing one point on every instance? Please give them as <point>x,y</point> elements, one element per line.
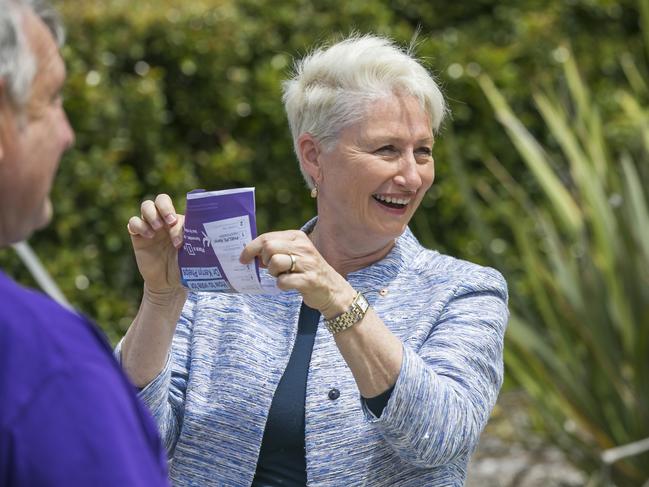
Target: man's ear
<point>309,155</point>
<point>3,114</point>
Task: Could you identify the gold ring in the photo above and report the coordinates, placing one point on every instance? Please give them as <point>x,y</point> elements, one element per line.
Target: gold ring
<point>293,263</point>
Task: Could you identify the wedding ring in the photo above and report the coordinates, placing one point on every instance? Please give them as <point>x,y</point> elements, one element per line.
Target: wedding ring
<point>293,263</point>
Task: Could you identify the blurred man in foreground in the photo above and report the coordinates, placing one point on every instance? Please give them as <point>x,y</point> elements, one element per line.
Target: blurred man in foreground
<point>68,416</point>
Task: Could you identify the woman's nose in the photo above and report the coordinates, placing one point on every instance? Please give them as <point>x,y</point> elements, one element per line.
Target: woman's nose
<point>408,175</point>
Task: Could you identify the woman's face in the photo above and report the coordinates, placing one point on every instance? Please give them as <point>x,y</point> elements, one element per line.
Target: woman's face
<point>373,180</point>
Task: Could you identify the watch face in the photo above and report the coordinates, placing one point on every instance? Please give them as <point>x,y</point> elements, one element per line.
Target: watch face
<point>362,303</point>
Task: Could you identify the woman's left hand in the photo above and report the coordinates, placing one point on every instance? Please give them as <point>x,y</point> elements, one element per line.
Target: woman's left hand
<point>322,288</point>
<point>372,352</point>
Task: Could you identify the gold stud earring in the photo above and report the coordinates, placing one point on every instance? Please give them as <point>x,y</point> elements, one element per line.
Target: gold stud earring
<point>314,192</point>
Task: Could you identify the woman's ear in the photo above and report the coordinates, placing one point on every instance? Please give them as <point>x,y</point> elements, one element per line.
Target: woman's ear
<point>309,154</point>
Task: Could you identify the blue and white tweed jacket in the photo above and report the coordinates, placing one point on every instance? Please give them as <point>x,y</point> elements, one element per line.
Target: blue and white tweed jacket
<point>229,352</point>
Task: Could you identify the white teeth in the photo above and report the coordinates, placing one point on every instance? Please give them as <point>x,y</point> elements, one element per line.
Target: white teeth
<point>390,199</point>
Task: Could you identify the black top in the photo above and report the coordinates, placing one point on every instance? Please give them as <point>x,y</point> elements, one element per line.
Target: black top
<point>282,457</point>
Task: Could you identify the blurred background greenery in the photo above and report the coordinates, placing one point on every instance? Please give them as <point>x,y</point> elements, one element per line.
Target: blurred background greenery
<point>542,170</point>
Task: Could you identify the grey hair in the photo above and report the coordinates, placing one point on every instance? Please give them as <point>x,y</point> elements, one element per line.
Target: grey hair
<point>331,87</point>
<point>17,62</point>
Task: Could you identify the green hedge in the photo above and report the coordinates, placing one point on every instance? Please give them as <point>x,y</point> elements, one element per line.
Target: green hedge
<point>168,96</point>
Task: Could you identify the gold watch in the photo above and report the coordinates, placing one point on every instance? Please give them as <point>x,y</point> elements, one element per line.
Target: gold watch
<point>353,315</point>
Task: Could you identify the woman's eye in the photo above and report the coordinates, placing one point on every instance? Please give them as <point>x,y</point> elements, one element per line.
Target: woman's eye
<point>426,151</point>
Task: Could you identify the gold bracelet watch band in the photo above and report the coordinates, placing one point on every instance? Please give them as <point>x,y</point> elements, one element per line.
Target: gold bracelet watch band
<point>356,313</point>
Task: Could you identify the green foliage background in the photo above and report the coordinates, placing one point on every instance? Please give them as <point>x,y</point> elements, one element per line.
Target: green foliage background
<point>168,96</point>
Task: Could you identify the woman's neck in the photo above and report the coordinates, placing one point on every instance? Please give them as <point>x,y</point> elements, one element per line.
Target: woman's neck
<point>347,255</point>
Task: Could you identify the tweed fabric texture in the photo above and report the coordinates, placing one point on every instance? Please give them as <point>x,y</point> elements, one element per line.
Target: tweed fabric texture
<point>229,352</point>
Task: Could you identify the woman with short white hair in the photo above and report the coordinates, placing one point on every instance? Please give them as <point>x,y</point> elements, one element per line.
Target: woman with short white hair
<point>381,362</point>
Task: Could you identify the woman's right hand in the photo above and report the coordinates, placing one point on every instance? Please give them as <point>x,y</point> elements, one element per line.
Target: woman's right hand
<point>156,236</point>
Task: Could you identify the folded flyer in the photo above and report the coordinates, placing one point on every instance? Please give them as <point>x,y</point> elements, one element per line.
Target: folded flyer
<point>218,225</point>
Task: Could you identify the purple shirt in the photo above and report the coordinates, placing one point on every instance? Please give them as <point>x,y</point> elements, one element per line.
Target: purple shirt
<point>68,415</point>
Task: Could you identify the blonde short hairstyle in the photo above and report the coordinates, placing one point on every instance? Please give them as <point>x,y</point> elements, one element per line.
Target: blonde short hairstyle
<point>331,87</point>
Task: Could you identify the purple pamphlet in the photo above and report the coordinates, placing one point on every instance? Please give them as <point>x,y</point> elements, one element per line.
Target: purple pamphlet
<point>218,225</point>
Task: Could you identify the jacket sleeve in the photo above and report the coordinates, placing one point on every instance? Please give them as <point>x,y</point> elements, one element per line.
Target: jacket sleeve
<point>445,390</point>
<point>165,395</point>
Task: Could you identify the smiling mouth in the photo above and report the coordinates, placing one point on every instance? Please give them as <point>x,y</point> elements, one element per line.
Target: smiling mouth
<point>390,202</point>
